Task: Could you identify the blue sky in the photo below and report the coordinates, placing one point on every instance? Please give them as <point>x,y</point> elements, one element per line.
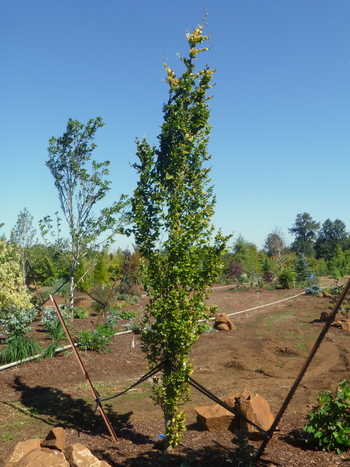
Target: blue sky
<point>280,112</point>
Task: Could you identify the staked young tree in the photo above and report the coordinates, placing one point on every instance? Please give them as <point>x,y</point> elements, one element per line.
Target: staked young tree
<point>80,188</point>
<point>172,208</point>
<point>23,234</point>
<point>305,231</point>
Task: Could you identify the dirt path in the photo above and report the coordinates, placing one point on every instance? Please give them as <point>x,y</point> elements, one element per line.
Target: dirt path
<point>263,355</point>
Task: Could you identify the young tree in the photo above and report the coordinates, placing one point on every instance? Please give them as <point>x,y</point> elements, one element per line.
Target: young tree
<point>275,247</point>
<point>80,189</point>
<point>172,209</point>
<point>23,235</point>
<point>305,231</point>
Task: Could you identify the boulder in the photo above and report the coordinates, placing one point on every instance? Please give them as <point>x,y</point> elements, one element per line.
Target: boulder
<point>343,324</point>
<point>20,450</point>
<point>56,439</point>
<point>52,452</point>
<point>256,409</point>
<point>43,458</point>
<point>214,418</point>
<point>223,322</point>
<point>80,456</point>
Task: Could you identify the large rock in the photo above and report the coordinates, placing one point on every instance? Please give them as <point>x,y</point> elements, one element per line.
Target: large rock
<point>20,450</point>
<point>43,458</point>
<point>256,409</point>
<point>52,452</point>
<point>223,322</point>
<point>80,456</point>
<point>214,418</point>
<point>343,324</point>
<point>217,418</point>
<point>56,439</point>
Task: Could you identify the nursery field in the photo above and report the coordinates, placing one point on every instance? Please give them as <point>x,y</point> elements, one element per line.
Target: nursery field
<point>264,356</point>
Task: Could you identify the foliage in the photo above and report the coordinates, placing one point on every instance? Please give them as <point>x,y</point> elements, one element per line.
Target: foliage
<point>79,191</point>
<point>286,278</point>
<point>331,235</point>
<point>98,339</point>
<point>171,209</point>
<point>23,235</point>
<point>305,231</point>
<point>329,421</point>
<point>115,315</point>
<point>249,257</point>
<point>12,291</point>
<point>313,290</point>
<point>52,324</point>
<point>276,249</point>
<point>16,325</point>
<point>19,348</point>
<point>17,322</point>
<point>80,312</point>
<point>204,328</point>
<point>302,269</point>
<point>235,269</point>
<point>244,453</point>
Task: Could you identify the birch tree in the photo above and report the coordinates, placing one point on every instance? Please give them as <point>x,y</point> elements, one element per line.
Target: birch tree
<point>81,183</point>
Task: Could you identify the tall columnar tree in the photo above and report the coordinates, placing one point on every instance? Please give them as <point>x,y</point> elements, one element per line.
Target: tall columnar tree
<point>80,187</point>
<point>172,209</point>
<point>23,235</point>
<point>305,231</point>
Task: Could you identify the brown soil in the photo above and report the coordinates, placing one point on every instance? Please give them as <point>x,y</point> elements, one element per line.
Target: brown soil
<point>263,355</point>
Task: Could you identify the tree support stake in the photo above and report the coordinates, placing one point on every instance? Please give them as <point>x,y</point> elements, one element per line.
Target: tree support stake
<point>93,390</point>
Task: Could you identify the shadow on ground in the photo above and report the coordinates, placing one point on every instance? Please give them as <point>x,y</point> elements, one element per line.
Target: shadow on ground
<point>56,408</point>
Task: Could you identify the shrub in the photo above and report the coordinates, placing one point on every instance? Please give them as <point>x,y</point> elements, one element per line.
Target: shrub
<point>313,290</point>
<point>16,324</point>
<point>286,278</point>
<point>115,315</point>
<point>329,422</point>
<point>80,312</point>
<point>98,339</point>
<point>204,328</point>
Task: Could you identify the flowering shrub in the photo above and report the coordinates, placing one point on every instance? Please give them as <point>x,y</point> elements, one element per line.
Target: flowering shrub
<point>12,290</point>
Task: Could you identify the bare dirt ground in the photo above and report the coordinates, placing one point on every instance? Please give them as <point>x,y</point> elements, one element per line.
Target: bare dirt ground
<point>263,355</point>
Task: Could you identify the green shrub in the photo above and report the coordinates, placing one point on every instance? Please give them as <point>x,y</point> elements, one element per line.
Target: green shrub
<point>98,339</point>
<point>80,312</point>
<point>204,328</point>
<point>329,422</point>
<point>286,278</point>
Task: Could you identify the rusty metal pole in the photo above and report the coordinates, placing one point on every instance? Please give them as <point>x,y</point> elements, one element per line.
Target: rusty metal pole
<point>93,390</point>
<point>302,372</point>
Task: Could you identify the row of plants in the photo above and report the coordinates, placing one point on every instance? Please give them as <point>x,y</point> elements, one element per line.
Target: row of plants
<point>16,327</point>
